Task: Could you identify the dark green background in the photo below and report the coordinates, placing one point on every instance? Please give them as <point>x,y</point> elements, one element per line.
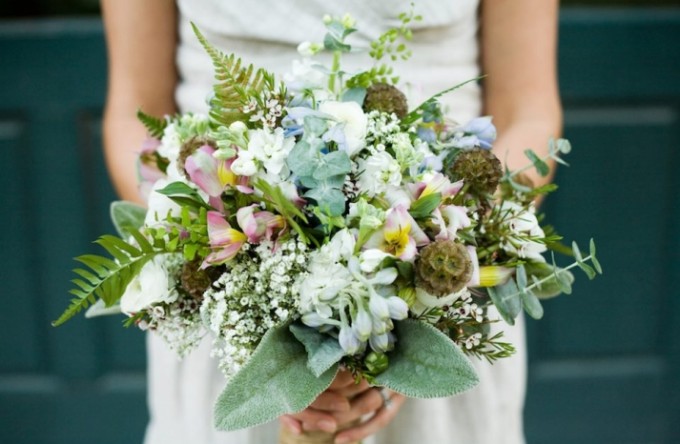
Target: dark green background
<point>604,363</point>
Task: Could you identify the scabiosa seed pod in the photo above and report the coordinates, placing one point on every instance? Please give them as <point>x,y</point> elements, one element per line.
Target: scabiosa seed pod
<point>195,281</point>
<point>387,99</point>
<point>443,267</point>
<point>190,147</point>
<point>479,168</point>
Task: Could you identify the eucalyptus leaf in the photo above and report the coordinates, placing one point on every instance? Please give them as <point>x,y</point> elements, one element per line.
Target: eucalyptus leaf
<point>426,363</point>
<point>521,275</point>
<point>355,95</point>
<point>576,251</point>
<point>507,300</point>
<point>587,269</point>
<point>550,288</point>
<point>596,264</point>
<point>532,305</point>
<point>336,163</point>
<point>126,215</point>
<point>314,126</point>
<point>274,381</point>
<point>328,198</point>
<point>322,350</point>
<point>303,159</point>
<point>541,167</point>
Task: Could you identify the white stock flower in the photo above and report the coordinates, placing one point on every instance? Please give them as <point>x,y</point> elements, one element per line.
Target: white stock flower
<point>377,173</point>
<point>152,285</point>
<point>266,148</point>
<point>353,120</point>
<point>171,143</point>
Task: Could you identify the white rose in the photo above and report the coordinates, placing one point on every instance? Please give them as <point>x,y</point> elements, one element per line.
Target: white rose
<point>151,286</point>
<point>353,120</point>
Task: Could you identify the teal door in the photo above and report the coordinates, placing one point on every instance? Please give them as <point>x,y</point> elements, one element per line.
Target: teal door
<point>604,363</point>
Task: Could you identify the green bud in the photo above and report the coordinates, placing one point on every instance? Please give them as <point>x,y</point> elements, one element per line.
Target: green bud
<point>376,363</point>
<point>408,294</point>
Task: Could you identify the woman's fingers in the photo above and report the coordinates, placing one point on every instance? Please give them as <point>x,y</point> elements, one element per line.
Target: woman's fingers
<point>342,380</point>
<point>366,403</point>
<point>351,390</point>
<point>381,418</point>
<point>331,401</point>
<point>312,419</point>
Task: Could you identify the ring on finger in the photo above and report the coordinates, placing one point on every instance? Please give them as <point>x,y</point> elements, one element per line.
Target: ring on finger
<point>387,400</point>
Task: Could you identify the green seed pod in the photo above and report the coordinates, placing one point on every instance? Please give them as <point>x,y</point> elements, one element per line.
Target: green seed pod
<point>443,267</point>
<point>387,99</point>
<point>479,168</point>
<point>376,363</point>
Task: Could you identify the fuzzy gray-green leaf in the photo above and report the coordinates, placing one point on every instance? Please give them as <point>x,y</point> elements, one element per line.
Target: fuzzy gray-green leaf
<point>275,381</point>
<point>126,215</point>
<point>425,363</point>
<point>322,350</point>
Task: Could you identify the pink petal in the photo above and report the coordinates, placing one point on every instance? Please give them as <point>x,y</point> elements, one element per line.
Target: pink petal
<point>202,169</point>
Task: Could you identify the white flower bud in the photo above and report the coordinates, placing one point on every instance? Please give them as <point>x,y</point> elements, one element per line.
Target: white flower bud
<point>363,325</point>
<point>313,319</point>
<point>380,343</point>
<point>398,308</point>
<point>348,341</point>
<point>378,306</point>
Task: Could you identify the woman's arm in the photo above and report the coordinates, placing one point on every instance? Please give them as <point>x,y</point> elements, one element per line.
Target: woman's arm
<point>518,43</point>
<point>141,37</point>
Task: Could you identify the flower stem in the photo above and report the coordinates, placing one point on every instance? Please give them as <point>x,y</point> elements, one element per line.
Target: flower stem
<point>335,67</point>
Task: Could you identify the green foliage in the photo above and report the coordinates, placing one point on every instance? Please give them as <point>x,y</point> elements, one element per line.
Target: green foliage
<point>426,364</point>
<point>126,215</point>
<point>184,195</point>
<point>274,197</point>
<point>275,381</point>
<point>154,125</point>
<point>506,298</point>
<point>424,206</point>
<point>235,85</point>
<point>105,278</point>
<point>541,167</point>
<point>391,42</point>
<point>377,74</point>
<point>323,174</point>
<point>323,351</point>
<point>544,283</point>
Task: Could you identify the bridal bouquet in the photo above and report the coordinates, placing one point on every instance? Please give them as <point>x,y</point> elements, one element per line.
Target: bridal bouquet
<point>322,222</point>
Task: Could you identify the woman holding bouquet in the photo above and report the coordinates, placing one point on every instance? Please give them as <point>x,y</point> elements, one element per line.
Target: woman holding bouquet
<point>155,63</point>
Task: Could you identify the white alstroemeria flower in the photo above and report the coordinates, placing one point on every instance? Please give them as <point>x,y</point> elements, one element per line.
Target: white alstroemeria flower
<point>152,285</point>
<point>450,219</point>
<point>160,205</point>
<point>524,227</point>
<point>354,123</point>
<point>377,173</point>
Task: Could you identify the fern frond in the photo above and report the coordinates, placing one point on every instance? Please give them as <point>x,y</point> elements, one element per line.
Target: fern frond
<point>107,279</point>
<point>235,84</point>
<point>154,125</point>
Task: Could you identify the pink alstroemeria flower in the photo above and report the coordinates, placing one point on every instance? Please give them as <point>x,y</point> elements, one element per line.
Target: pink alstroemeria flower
<point>437,183</point>
<point>213,175</point>
<point>225,241</point>
<point>450,219</point>
<point>399,236</point>
<point>259,225</point>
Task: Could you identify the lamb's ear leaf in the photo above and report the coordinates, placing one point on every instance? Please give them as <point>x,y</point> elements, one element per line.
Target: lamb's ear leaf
<point>426,363</point>
<point>275,381</point>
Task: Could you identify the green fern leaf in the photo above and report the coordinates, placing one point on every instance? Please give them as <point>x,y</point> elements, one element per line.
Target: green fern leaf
<point>154,125</point>
<point>235,84</point>
<point>107,279</point>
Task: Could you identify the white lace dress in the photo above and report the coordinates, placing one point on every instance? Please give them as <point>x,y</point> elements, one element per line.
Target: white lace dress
<point>266,33</point>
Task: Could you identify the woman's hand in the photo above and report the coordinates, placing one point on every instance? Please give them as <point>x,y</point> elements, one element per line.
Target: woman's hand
<point>343,403</point>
